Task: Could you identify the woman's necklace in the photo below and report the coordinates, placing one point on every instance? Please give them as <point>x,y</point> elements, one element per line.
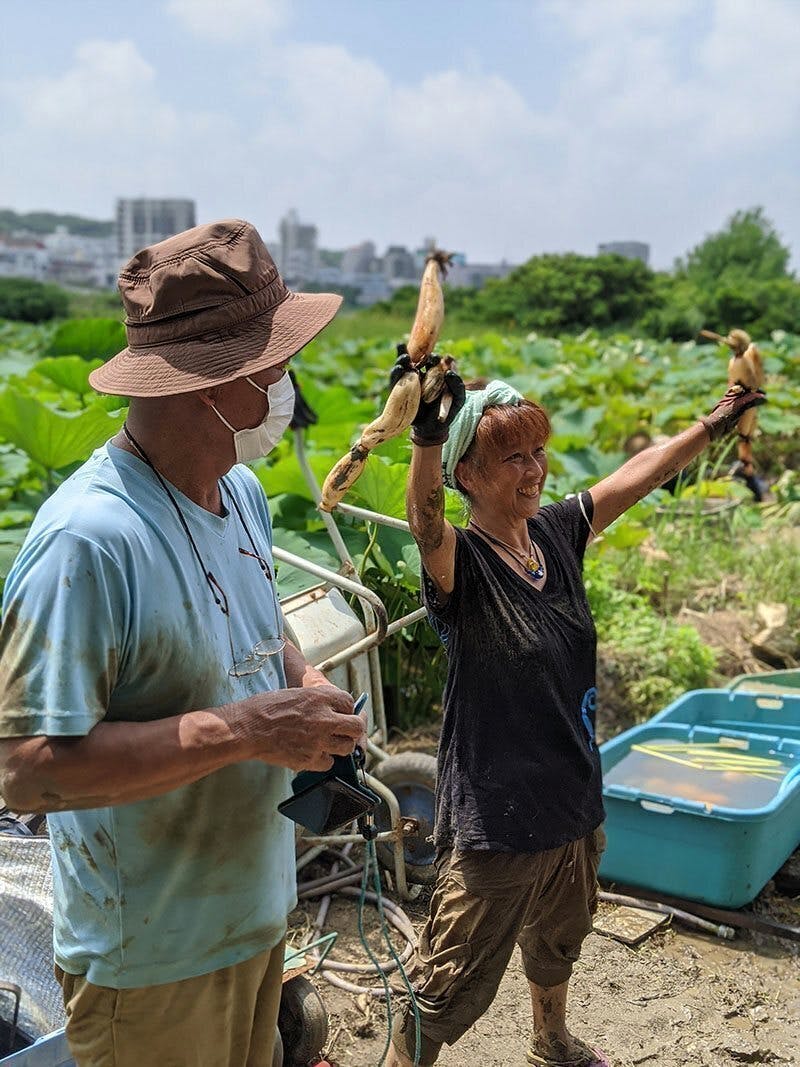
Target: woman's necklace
<point>532,562</point>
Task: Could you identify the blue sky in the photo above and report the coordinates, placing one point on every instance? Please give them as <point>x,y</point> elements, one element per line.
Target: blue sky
<point>502,128</point>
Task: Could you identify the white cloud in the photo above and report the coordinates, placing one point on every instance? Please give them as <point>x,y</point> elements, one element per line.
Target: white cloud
<point>109,85</point>
<point>229,20</point>
<point>636,140</point>
<point>101,129</point>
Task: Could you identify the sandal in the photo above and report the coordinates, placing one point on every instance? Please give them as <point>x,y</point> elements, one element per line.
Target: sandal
<point>587,1057</point>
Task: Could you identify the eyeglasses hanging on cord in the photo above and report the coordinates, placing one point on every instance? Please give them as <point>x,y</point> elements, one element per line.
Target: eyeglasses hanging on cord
<point>261,651</point>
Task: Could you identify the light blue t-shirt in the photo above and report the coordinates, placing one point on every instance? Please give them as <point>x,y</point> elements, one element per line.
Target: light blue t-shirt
<point>107,618</point>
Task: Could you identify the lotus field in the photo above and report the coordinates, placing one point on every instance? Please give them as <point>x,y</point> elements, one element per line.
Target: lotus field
<point>708,548</point>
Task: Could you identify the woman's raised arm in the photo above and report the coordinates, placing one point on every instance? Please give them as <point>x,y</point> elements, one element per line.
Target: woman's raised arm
<point>657,464</point>
<point>434,535</point>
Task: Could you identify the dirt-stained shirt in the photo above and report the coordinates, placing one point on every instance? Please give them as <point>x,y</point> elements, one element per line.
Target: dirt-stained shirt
<point>518,767</point>
<point>107,618</point>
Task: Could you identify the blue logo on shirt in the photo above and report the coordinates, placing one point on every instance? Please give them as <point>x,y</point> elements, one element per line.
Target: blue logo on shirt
<point>588,708</point>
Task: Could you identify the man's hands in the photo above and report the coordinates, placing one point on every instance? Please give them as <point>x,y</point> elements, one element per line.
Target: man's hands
<point>426,429</point>
<point>303,728</point>
<point>725,414</point>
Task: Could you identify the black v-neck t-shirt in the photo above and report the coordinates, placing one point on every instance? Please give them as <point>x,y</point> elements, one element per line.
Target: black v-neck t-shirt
<point>518,767</point>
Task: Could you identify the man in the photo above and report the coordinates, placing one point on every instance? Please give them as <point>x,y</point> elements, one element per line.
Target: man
<point>149,703</point>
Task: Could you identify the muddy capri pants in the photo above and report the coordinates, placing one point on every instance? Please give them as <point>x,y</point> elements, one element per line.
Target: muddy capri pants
<point>483,904</point>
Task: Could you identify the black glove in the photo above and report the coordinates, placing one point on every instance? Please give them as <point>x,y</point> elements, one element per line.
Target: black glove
<point>303,415</point>
<point>426,429</point>
<point>725,414</point>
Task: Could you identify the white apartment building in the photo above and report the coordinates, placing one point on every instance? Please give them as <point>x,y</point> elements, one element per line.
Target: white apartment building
<point>23,257</point>
<point>299,255</point>
<point>628,249</point>
<point>143,221</point>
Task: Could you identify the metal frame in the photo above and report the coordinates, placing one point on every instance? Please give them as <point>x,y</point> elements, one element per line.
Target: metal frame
<point>378,629</point>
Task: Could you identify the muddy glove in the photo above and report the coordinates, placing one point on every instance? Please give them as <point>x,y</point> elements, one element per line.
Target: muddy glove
<point>427,429</point>
<point>725,414</point>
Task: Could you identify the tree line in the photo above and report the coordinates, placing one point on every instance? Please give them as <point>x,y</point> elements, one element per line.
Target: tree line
<point>737,277</point>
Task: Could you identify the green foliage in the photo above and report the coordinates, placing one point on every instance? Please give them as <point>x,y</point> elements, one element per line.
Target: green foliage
<point>52,438</point>
<point>29,301</point>
<point>654,661</point>
<point>95,303</point>
<point>89,338</point>
<point>747,249</point>
<point>599,390</point>
<point>569,292</point>
<point>735,278</point>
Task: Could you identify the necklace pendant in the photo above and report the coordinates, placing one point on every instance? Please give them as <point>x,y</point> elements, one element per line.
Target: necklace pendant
<point>534,568</point>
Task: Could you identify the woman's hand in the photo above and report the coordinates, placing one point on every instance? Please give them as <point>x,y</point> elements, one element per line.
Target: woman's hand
<point>427,429</point>
<point>725,414</point>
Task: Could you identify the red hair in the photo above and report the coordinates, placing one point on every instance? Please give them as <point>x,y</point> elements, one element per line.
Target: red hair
<point>505,428</point>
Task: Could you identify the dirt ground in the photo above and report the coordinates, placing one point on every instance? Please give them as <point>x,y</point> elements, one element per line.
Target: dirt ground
<point>678,998</point>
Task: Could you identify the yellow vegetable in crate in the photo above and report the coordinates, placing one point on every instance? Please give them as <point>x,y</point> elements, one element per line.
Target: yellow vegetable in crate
<point>403,401</point>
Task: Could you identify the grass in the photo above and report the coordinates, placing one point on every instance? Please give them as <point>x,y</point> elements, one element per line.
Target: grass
<point>367,324</point>
<point>95,304</point>
<point>718,564</point>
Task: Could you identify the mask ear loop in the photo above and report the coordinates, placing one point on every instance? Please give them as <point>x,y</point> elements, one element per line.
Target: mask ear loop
<point>255,385</point>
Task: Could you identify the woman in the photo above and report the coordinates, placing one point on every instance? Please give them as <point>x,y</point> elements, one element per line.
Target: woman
<point>519,792</point>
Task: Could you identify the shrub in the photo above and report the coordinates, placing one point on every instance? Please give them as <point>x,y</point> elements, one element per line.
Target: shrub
<point>30,301</point>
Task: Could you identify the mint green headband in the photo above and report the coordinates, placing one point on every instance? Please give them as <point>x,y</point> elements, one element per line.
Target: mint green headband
<point>464,425</point>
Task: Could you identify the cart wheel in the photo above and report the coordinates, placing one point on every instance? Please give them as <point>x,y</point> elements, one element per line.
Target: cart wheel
<point>411,776</point>
<point>277,1051</point>
<point>302,1021</point>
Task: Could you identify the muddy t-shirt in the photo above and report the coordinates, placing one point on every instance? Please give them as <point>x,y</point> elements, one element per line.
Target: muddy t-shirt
<point>107,618</point>
<point>518,767</point>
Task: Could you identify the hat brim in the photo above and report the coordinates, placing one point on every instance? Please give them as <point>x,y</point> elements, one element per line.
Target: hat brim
<point>215,358</point>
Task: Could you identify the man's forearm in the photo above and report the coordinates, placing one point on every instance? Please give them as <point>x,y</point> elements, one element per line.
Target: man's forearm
<point>121,762</point>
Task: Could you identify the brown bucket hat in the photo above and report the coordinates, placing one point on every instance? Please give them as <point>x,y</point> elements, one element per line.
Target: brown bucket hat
<point>205,307</point>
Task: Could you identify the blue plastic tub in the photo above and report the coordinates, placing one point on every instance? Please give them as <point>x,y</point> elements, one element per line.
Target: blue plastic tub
<point>771,713</point>
<point>674,833</point>
<point>49,1051</point>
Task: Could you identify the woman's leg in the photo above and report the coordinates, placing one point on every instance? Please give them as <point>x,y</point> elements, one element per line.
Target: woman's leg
<point>551,941</point>
<point>550,1012</point>
<point>477,910</point>
<point>552,1042</point>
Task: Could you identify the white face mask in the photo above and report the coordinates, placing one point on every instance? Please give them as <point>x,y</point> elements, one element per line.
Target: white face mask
<point>260,440</point>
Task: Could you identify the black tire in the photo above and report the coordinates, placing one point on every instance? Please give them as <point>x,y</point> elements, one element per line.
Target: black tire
<point>411,776</point>
<point>277,1052</point>
<point>303,1023</point>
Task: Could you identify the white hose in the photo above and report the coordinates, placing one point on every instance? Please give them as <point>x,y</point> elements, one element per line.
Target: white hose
<point>344,883</point>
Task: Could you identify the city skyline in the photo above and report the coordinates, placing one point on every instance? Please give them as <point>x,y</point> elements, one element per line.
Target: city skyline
<point>559,126</point>
<point>72,257</point>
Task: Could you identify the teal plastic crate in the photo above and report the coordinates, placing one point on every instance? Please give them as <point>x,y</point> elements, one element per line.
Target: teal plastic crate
<point>49,1051</point>
<point>775,714</point>
<point>781,682</point>
<point>668,834</point>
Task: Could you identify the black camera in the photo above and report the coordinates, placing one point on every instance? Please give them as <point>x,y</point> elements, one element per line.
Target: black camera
<point>325,801</point>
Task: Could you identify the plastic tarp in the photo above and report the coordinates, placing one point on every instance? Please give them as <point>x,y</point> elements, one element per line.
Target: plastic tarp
<point>26,934</point>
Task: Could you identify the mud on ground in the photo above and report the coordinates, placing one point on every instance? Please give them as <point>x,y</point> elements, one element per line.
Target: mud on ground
<point>679,999</point>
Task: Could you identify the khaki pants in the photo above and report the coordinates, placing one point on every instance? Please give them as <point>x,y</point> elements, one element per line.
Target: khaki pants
<point>223,1019</point>
<point>483,904</point>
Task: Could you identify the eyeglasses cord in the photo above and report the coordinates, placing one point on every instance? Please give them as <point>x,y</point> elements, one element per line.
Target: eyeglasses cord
<point>211,581</point>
